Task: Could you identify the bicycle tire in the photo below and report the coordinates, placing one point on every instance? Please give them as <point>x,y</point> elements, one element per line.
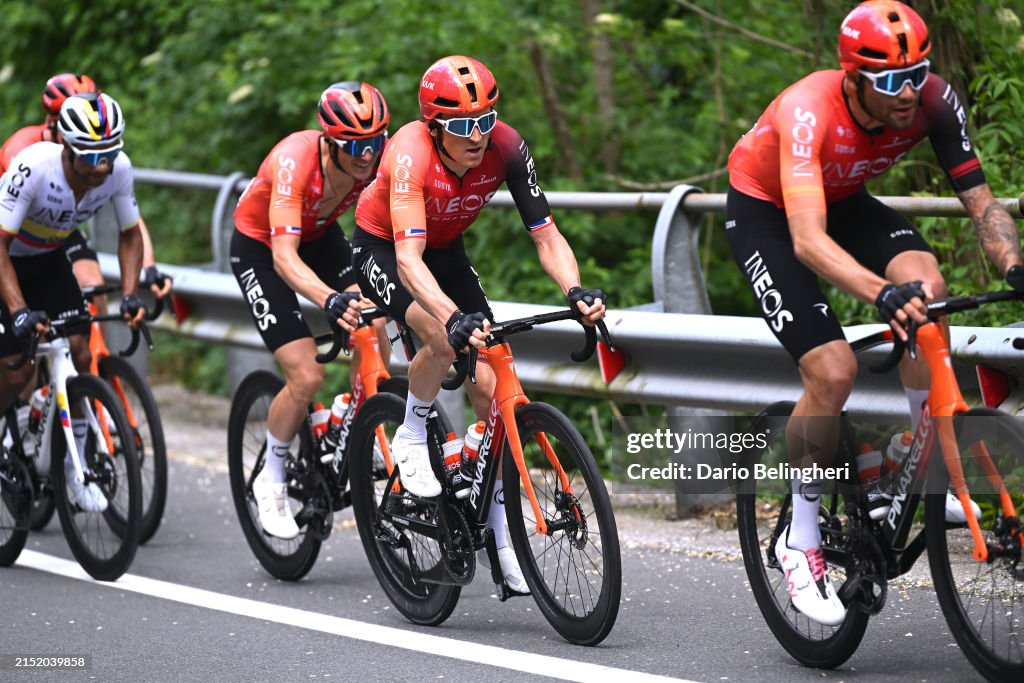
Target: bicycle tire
<point>42,500</point>
<point>427,604</point>
<point>982,601</point>
<point>15,500</point>
<point>810,643</point>
<point>579,591</point>
<point>104,543</point>
<point>285,559</point>
<point>149,439</point>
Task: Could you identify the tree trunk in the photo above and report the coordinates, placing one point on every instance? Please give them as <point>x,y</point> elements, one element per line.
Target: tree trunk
<point>556,115</point>
<point>604,88</point>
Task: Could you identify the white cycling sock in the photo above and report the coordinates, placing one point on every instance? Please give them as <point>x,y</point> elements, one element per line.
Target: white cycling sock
<point>916,399</point>
<point>277,453</point>
<point>415,423</point>
<point>804,533</point>
<point>496,515</point>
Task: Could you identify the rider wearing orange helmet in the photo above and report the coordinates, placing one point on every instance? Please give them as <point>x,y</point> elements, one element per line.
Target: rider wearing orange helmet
<point>287,240</point>
<point>797,210</point>
<point>436,175</point>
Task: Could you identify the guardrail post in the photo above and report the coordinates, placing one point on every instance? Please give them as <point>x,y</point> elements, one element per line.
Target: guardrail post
<point>240,362</point>
<point>678,282</point>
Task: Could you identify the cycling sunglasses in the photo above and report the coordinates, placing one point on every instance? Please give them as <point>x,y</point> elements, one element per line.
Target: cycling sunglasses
<point>358,148</point>
<point>891,82</point>
<point>463,127</point>
<point>96,158</point>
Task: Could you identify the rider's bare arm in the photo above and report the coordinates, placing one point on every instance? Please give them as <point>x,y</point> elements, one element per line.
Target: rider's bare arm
<point>9,288</point>
<point>294,270</point>
<point>420,282</point>
<point>819,252</point>
<point>997,232</point>
<point>129,256</point>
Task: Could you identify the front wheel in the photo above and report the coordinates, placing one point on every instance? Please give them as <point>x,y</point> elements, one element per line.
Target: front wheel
<point>148,433</point>
<point>983,601</point>
<point>574,571</point>
<point>104,543</point>
<point>763,508</point>
<point>15,499</point>
<point>285,559</point>
<point>398,556</point>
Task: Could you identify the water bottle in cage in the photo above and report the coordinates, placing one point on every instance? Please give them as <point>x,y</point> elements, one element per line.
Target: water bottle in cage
<point>339,409</point>
<point>470,448</point>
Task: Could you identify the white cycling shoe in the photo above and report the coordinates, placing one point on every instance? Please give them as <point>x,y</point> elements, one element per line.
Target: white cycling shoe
<point>810,587</point>
<point>274,511</point>
<point>413,463</point>
<point>878,506</point>
<point>955,511</point>
<point>510,568</point>
<point>89,496</point>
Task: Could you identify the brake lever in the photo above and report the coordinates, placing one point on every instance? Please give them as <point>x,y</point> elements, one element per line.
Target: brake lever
<point>603,329</point>
<point>472,364</point>
<point>912,339</point>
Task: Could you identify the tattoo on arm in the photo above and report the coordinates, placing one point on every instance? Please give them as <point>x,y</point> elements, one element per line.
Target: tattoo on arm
<point>997,231</point>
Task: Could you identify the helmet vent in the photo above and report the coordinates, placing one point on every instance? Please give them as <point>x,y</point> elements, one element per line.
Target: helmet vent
<point>445,102</point>
<point>894,17</point>
<point>77,120</point>
<point>340,113</point>
<point>871,54</point>
<point>902,38</point>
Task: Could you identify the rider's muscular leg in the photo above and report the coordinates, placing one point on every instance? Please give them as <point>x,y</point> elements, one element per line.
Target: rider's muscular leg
<point>81,356</point>
<point>827,372</point>
<point>907,267</point>
<point>88,274</point>
<point>303,377</point>
<point>431,363</point>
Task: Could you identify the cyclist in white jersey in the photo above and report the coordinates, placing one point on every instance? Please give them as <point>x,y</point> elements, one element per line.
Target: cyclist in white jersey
<point>46,192</point>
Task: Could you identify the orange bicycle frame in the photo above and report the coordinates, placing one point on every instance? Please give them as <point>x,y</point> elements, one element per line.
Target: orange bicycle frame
<point>944,402</point>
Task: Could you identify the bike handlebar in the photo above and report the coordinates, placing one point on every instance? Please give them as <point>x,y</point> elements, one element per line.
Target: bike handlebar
<point>58,328</point>
<point>937,309</point>
<point>465,364</point>
<point>339,338</point>
<point>91,293</point>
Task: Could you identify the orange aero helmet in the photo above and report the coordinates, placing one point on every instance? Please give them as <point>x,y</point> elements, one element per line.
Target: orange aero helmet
<point>456,85</point>
<point>352,110</point>
<point>63,86</point>
<point>882,33</point>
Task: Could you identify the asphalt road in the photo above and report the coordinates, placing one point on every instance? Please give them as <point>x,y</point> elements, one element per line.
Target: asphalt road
<point>197,606</point>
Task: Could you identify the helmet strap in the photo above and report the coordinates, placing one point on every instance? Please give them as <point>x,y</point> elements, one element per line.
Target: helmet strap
<point>334,153</point>
<point>436,133</point>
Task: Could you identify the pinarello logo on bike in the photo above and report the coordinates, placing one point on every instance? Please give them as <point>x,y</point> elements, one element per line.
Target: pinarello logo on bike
<point>481,456</point>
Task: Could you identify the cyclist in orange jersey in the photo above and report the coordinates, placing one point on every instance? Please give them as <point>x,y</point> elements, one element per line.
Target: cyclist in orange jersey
<point>436,175</point>
<point>287,240</point>
<point>797,210</point>
<point>78,247</point>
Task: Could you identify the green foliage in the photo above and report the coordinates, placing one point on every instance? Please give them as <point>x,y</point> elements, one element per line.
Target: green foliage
<point>210,87</point>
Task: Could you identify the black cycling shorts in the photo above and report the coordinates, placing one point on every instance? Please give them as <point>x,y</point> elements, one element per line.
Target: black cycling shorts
<point>274,306</point>
<point>78,247</point>
<point>788,293</point>
<point>377,274</point>
<point>48,284</point>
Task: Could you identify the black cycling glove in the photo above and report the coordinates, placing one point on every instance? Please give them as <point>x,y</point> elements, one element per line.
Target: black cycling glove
<point>460,328</point>
<point>151,276</point>
<point>893,297</point>
<point>1015,276</point>
<point>337,303</point>
<point>131,305</point>
<point>25,322</point>
<point>587,296</point>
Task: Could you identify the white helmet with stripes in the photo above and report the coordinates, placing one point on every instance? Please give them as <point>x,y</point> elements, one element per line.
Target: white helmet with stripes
<point>91,122</point>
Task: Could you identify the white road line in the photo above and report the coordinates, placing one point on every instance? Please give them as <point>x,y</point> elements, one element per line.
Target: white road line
<point>526,662</point>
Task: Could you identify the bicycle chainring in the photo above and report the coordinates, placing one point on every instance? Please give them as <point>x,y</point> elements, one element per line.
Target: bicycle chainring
<point>16,490</point>
<point>458,555</point>
<point>866,585</point>
<point>317,507</point>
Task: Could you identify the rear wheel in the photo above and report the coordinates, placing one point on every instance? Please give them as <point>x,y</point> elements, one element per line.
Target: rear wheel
<point>285,559</point>
<point>763,509</point>
<point>983,601</point>
<point>574,571</point>
<point>15,498</point>
<point>397,555</point>
<point>104,543</point>
<point>148,433</point>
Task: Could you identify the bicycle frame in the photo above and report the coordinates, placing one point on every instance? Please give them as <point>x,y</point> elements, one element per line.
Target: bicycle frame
<point>98,350</point>
<point>61,368</point>
<point>936,426</point>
